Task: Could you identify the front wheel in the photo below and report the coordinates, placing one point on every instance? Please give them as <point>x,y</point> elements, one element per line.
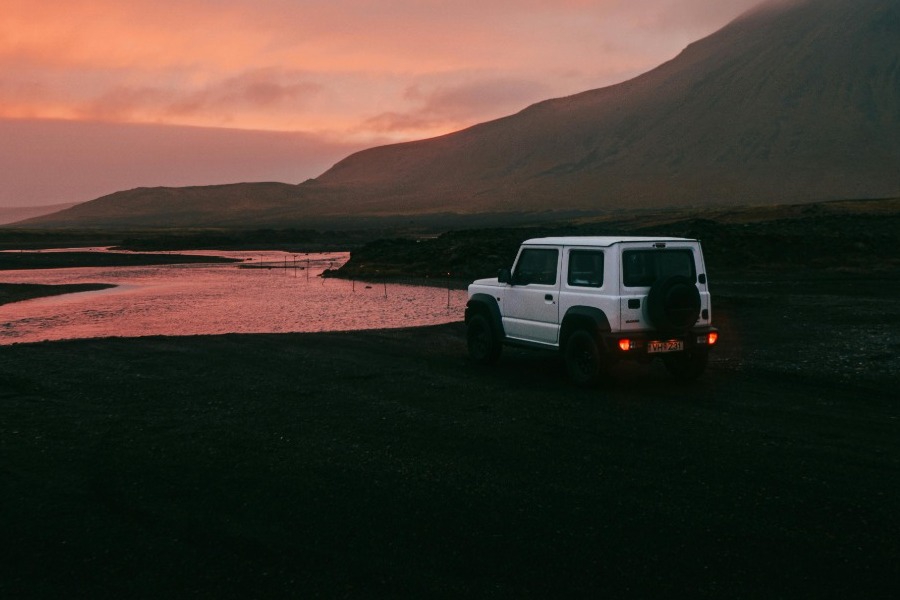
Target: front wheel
<point>584,362</point>
<point>686,366</point>
<point>484,347</point>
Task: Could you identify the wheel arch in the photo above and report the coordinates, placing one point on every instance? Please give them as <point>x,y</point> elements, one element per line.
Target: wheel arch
<point>583,317</point>
<point>487,304</point>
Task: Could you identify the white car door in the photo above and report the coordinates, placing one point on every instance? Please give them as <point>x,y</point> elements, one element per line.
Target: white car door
<point>531,302</point>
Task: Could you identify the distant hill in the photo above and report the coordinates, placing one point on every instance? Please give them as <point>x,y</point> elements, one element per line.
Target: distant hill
<point>19,213</point>
<point>163,207</point>
<point>794,101</point>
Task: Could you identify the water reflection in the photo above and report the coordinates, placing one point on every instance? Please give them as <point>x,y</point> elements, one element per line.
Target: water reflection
<point>219,298</point>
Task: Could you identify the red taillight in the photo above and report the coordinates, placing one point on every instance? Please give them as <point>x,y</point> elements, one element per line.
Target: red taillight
<point>713,336</point>
<point>625,345</point>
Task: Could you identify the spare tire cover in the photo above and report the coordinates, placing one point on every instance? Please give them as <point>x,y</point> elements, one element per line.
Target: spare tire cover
<point>673,303</point>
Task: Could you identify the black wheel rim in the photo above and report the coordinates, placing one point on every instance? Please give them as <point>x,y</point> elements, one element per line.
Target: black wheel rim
<point>583,359</point>
<point>479,340</point>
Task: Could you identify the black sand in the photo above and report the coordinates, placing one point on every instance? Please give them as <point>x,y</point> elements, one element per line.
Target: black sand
<point>384,464</point>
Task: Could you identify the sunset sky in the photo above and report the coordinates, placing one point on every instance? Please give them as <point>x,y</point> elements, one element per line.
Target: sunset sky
<point>102,95</point>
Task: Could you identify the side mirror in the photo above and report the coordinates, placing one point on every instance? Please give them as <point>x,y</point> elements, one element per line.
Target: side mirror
<point>504,276</point>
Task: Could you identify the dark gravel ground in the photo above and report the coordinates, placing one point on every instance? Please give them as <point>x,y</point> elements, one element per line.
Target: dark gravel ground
<point>385,464</point>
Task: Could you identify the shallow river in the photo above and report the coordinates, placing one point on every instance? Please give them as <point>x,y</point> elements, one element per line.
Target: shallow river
<point>219,298</point>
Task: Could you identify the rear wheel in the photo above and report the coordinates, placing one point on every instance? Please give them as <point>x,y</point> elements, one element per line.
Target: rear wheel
<point>584,361</point>
<point>484,346</point>
<point>686,366</point>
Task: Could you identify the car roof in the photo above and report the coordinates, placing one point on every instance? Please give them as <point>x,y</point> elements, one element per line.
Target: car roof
<point>598,240</point>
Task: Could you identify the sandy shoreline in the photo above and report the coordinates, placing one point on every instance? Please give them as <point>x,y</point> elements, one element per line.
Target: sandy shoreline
<point>17,292</point>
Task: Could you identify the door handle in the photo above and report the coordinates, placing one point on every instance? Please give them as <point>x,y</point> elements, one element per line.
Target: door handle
<point>548,296</point>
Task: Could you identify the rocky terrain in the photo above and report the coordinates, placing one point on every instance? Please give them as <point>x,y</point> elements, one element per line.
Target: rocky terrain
<point>833,235</point>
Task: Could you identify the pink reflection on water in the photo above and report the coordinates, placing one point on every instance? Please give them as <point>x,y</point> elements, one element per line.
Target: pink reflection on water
<point>219,298</point>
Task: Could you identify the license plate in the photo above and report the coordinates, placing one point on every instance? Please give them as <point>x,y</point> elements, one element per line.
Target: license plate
<point>667,346</point>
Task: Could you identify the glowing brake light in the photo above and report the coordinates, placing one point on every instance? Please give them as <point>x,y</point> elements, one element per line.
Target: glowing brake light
<point>625,345</point>
<point>713,336</point>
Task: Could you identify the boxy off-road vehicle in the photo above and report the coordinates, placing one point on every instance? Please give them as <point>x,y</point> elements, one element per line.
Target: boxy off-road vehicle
<point>598,300</point>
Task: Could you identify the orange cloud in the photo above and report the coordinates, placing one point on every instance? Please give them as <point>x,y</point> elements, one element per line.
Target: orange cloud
<point>256,91</point>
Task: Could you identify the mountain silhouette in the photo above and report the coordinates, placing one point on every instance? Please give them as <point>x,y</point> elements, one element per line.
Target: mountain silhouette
<point>793,101</point>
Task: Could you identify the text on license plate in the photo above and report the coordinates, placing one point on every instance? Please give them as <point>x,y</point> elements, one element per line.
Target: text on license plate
<point>666,346</point>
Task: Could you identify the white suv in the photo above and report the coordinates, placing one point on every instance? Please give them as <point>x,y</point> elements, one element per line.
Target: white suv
<point>598,300</point>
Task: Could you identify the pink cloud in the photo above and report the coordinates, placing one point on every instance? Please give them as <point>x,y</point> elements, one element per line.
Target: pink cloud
<point>261,90</point>
<point>122,103</point>
<point>451,106</point>
<point>257,90</point>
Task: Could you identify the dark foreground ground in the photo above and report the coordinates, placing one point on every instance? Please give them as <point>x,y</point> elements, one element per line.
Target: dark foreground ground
<point>384,464</point>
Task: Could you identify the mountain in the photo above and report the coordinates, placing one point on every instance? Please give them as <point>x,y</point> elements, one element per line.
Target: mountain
<point>794,101</point>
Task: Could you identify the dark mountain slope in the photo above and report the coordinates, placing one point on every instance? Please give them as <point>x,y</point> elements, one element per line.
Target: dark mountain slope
<point>796,101</point>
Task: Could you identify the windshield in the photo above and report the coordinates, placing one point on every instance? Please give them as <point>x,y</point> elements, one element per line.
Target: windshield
<point>536,265</point>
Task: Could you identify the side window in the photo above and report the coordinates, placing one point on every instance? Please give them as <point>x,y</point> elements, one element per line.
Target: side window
<point>642,268</point>
<point>536,265</point>
<point>586,268</point>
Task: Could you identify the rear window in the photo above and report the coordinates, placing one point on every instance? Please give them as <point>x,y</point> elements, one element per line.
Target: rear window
<point>585,268</point>
<point>642,268</point>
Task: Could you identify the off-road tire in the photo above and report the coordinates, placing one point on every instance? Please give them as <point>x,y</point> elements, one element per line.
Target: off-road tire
<point>483,342</point>
<point>584,360</point>
<point>673,304</point>
<point>686,366</point>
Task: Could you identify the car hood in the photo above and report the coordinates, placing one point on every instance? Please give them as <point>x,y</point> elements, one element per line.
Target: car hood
<point>490,281</point>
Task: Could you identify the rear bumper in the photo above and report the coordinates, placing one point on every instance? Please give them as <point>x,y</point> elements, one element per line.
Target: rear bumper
<point>636,345</point>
